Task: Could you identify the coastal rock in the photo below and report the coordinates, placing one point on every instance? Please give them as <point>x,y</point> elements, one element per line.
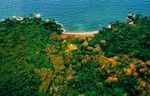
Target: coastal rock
<point>109,26</point>
<point>37,15</point>
<point>47,20</point>
<point>131,16</point>
<point>19,18</point>
<point>131,23</point>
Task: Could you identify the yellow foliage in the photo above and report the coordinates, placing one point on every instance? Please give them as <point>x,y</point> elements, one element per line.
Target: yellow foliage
<point>58,62</point>
<point>85,59</point>
<point>37,54</point>
<point>70,72</point>
<point>90,37</point>
<point>46,77</point>
<point>81,95</point>
<point>133,67</point>
<point>68,57</point>
<point>97,48</point>
<point>143,86</point>
<point>142,70</point>
<point>51,49</point>
<point>64,41</point>
<point>71,47</point>
<point>148,62</point>
<point>106,62</point>
<point>53,89</point>
<point>113,61</point>
<point>135,73</point>
<point>55,36</point>
<point>101,60</point>
<point>103,41</point>
<point>142,83</point>
<point>85,43</point>
<point>59,78</point>
<point>89,48</point>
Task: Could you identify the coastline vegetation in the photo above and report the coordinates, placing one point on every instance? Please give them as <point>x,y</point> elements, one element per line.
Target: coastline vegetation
<point>37,59</point>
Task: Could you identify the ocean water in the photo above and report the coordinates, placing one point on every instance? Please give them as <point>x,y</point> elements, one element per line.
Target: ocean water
<point>76,15</point>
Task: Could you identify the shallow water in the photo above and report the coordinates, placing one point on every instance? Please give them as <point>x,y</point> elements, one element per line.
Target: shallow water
<point>76,15</point>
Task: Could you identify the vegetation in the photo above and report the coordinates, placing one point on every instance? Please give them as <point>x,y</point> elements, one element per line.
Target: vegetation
<point>123,38</point>
<point>36,59</point>
<point>22,44</point>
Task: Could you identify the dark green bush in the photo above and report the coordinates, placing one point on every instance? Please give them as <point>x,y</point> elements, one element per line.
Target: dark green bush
<point>22,45</point>
<point>123,38</point>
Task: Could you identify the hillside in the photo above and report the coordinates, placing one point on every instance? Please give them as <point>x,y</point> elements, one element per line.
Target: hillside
<point>37,59</point>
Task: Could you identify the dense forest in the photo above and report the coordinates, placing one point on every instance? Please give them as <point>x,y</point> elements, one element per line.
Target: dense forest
<point>37,59</point>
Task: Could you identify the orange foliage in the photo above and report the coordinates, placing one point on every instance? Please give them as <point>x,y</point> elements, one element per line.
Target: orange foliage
<point>128,71</point>
<point>133,67</point>
<point>111,79</point>
<point>71,47</point>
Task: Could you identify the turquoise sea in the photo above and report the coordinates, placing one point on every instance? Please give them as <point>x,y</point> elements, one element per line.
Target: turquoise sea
<point>76,15</point>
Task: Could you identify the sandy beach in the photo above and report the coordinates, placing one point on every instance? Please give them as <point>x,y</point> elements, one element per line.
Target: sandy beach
<point>81,33</point>
<point>78,34</point>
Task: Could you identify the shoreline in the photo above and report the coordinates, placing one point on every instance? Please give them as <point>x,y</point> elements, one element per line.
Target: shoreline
<point>38,15</point>
<point>80,33</point>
